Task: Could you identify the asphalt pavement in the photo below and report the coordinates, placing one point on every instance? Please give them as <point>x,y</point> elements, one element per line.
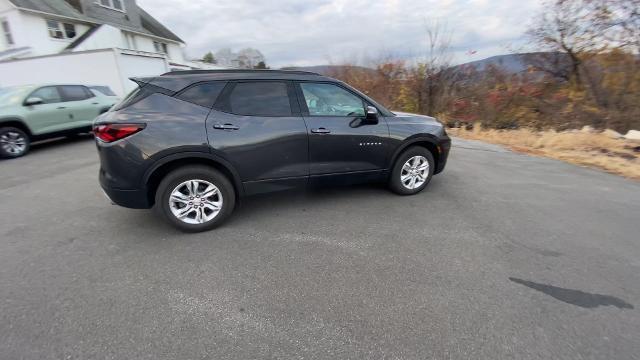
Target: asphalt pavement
<point>504,256</point>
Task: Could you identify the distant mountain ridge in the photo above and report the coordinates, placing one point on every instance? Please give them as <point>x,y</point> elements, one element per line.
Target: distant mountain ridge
<point>328,70</point>
<point>510,63</point>
<point>514,63</point>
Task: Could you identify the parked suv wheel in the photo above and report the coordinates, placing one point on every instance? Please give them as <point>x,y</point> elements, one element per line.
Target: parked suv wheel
<point>195,198</point>
<point>412,171</point>
<point>13,142</point>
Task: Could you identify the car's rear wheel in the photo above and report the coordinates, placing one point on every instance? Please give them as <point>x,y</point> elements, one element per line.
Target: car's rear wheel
<point>412,171</point>
<point>13,142</point>
<point>195,198</point>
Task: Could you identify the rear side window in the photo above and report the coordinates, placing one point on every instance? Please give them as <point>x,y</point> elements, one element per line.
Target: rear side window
<point>260,99</point>
<point>103,90</point>
<point>139,94</point>
<point>202,94</point>
<point>75,93</point>
<point>48,94</point>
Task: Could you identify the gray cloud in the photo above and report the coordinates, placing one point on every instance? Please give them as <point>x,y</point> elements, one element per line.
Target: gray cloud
<point>311,32</point>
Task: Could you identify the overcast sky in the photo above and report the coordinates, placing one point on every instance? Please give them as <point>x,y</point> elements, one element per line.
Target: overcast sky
<point>316,32</point>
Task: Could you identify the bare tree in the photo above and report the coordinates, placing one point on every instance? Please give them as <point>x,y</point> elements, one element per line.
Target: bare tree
<point>429,78</point>
<point>565,26</point>
<point>618,22</point>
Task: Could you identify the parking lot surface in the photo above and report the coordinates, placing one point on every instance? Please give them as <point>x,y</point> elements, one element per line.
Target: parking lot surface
<point>504,256</point>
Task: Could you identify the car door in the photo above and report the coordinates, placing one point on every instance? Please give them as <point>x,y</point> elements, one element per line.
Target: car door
<point>82,105</point>
<point>49,115</point>
<point>258,128</point>
<point>340,141</point>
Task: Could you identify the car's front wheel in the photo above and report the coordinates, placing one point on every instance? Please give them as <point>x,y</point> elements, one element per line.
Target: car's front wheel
<point>195,198</point>
<point>412,171</point>
<point>13,142</point>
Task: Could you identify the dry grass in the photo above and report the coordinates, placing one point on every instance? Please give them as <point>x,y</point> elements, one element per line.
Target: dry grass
<point>591,149</point>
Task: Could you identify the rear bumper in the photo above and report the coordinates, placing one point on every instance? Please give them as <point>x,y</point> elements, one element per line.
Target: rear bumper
<point>121,168</point>
<point>133,199</point>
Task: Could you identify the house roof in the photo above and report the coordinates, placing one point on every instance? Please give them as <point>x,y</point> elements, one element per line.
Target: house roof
<point>150,25</point>
<point>155,27</point>
<point>54,7</point>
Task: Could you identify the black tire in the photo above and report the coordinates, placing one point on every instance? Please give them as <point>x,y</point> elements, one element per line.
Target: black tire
<point>12,134</point>
<point>195,172</point>
<point>395,182</point>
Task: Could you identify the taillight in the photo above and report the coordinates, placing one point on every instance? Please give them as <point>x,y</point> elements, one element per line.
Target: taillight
<point>112,132</point>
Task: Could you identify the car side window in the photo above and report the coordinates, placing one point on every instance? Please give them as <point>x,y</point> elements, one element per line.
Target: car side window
<point>75,93</point>
<point>331,100</point>
<point>105,90</point>
<point>203,94</point>
<point>48,94</point>
<point>268,98</point>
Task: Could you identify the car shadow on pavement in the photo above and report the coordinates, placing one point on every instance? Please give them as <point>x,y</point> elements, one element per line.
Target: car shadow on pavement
<point>304,199</point>
<point>316,199</point>
<point>310,204</point>
<point>575,297</point>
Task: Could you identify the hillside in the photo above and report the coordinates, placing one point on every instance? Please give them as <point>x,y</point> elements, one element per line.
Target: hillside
<point>510,63</point>
<point>331,70</point>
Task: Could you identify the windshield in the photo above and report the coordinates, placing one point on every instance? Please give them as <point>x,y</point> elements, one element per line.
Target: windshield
<point>13,95</point>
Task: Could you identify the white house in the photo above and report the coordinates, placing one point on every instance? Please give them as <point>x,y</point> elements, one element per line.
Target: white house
<point>87,41</point>
<point>244,59</point>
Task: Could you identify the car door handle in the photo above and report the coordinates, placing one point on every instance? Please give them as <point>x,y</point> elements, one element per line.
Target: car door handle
<point>225,127</point>
<point>61,107</point>
<point>96,103</point>
<point>320,131</point>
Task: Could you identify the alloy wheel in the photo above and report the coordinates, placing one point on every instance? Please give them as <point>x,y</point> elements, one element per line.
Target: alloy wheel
<point>414,172</point>
<point>195,201</point>
<point>13,142</point>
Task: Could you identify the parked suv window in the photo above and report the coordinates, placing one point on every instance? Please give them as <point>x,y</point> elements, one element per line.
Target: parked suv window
<point>203,94</point>
<point>105,90</point>
<point>260,99</point>
<point>331,100</point>
<point>75,93</point>
<point>48,94</point>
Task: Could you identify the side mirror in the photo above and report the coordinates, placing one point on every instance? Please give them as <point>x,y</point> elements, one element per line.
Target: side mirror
<point>372,115</point>
<point>33,101</point>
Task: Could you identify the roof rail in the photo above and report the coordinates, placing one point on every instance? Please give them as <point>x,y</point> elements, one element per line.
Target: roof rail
<point>233,71</point>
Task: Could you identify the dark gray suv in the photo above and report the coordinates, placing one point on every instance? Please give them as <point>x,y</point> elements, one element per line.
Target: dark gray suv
<point>193,142</point>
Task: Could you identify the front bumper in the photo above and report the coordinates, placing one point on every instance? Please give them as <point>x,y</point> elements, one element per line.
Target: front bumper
<point>444,146</point>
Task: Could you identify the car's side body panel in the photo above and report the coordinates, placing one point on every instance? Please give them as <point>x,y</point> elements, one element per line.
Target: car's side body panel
<point>410,129</point>
<point>259,153</point>
<point>267,152</point>
<point>261,148</point>
<point>172,126</point>
<point>349,147</point>
<point>343,143</point>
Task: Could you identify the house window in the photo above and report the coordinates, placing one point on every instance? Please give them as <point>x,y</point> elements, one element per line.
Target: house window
<point>69,30</point>
<point>54,29</point>
<point>7,32</point>
<point>58,30</point>
<point>160,47</point>
<point>112,4</point>
<point>131,41</point>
